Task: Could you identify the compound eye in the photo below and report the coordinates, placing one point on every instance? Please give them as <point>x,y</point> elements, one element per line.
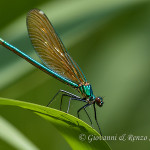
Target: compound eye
<point>99,101</point>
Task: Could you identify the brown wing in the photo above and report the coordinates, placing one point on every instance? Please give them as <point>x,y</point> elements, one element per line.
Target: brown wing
<point>50,48</point>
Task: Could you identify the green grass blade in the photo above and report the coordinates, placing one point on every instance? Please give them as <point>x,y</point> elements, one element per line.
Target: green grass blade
<point>69,126</point>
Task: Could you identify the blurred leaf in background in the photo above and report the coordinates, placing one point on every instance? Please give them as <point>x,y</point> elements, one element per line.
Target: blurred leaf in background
<point>110,42</point>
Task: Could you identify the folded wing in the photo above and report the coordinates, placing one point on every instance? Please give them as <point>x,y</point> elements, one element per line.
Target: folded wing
<point>50,48</point>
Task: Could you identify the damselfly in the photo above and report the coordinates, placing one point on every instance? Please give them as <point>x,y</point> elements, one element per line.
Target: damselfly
<point>57,62</point>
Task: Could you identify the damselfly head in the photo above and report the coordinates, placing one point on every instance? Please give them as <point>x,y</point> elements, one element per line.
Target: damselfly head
<point>99,101</point>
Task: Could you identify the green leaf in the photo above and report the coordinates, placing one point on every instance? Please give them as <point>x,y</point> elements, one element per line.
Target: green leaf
<point>70,127</point>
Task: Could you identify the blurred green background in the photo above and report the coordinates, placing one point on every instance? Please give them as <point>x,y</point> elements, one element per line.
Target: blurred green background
<point>110,40</point>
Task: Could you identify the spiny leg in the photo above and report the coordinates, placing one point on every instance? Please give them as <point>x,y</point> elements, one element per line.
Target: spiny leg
<point>96,119</point>
<point>53,97</point>
<point>68,93</point>
<point>83,107</point>
<point>69,105</point>
<point>62,99</point>
<point>73,98</point>
<point>88,117</point>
